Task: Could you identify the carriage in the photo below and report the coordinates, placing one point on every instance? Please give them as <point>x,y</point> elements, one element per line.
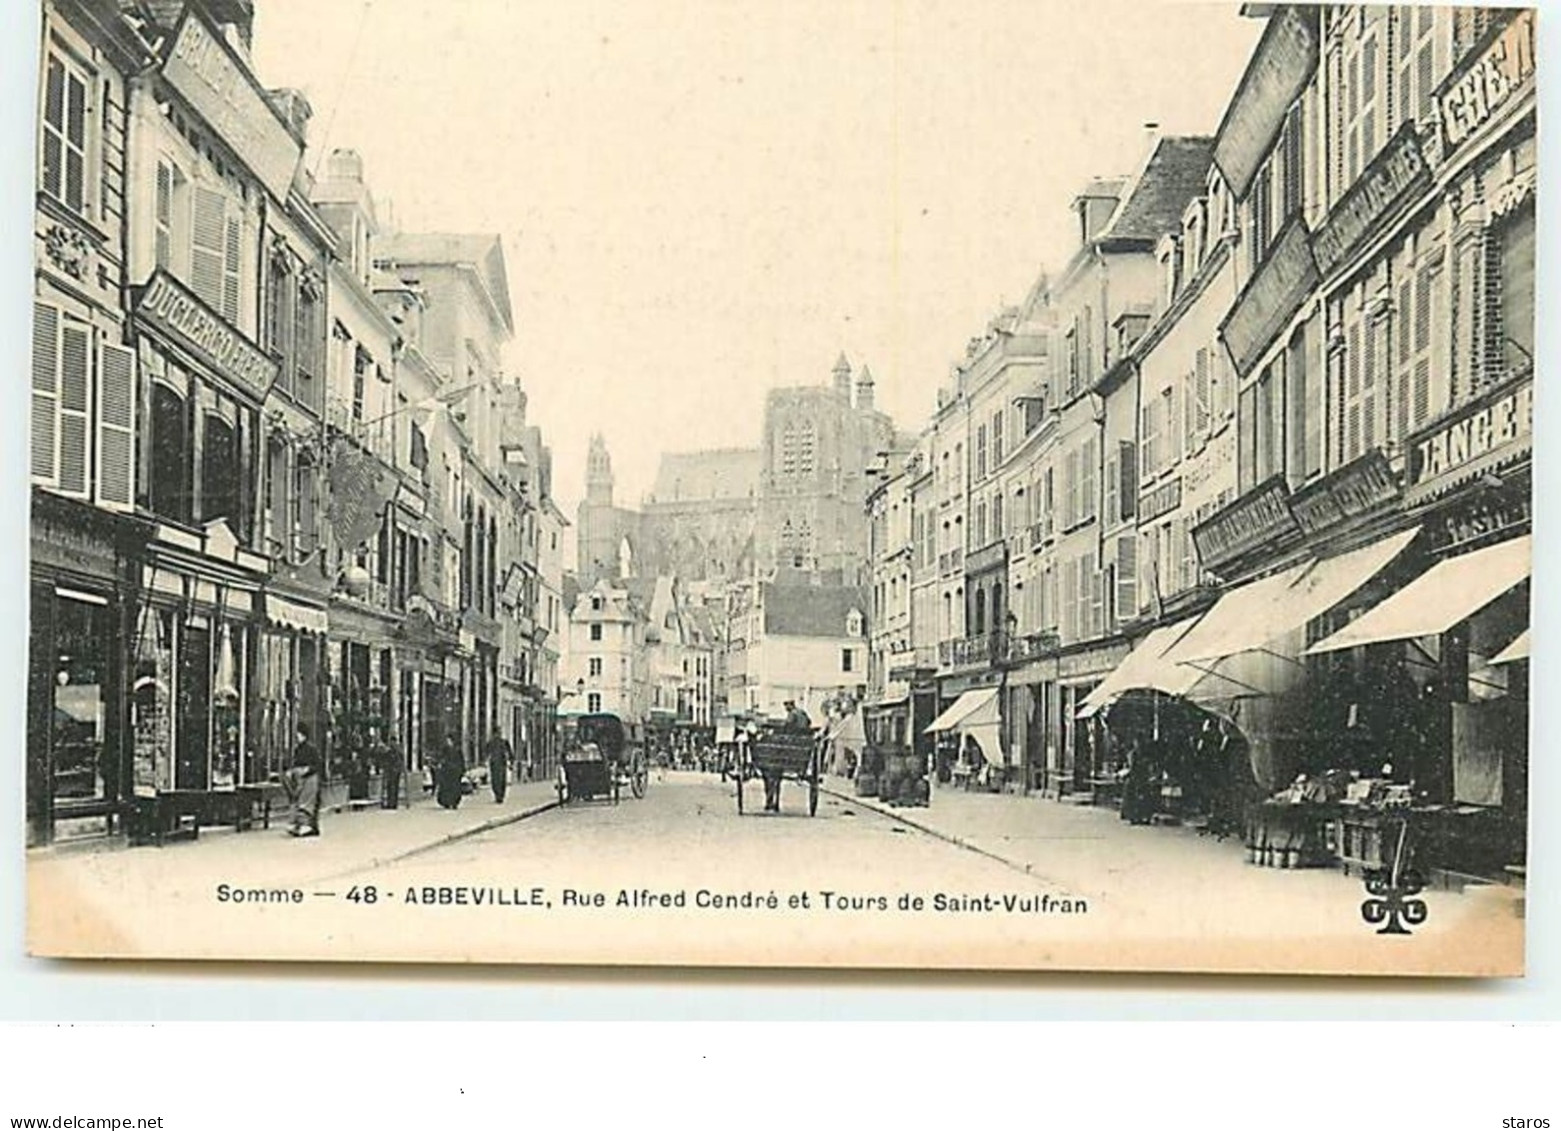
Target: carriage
<point>601,755</point>
<point>775,749</point>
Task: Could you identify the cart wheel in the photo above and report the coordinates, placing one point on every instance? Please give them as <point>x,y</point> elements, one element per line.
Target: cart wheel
<point>813,794</point>
<point>639,778</point>
<point>738,778</point>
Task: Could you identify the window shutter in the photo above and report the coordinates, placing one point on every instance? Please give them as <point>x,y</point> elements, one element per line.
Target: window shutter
<point>46,391</point>
<point>231,257</point>
<point>1097,595</point>
<point>164,214</point>
<point>1127,468</point>
<point>208,262</point>
<point>1127,577</point>
<point>116,427</point>
<point>76,139</point>
<point>1369,396</point>
<point>1403,327</point>
<point>1201,392</point>
<point>1113,487</point>
<point>75,383</point>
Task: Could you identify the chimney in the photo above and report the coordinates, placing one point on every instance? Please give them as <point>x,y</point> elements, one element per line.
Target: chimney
<point>295,111</point>
<point>235,19</point>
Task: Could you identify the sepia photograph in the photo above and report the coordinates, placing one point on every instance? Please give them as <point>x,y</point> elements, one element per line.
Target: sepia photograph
<point>905,485</point>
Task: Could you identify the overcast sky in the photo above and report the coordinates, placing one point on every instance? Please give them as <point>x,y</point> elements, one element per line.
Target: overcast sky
<point>701,200</point>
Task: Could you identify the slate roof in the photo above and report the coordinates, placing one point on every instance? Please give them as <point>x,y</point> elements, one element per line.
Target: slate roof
<point>1174,174</point>
<point>810,610</point>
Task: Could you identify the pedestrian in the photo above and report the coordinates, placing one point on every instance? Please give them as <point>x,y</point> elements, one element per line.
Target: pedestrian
<point>304,777</point>
<point>449,771</point>
<point>388,757</point>
<point>500,756</point>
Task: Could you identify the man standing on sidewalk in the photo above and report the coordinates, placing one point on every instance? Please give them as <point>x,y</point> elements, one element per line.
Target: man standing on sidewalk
<point>388,759</point>
<point>499,757</point>
<point>305,791</point>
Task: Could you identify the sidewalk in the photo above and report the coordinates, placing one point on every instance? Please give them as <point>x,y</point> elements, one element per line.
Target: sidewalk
<point>350,841</point>
<point>1088,851</point>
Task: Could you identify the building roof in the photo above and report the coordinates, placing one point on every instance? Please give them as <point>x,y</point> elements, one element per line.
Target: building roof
<point>1174,174</point>
<point>483,252</point>
<point>722,473</point>
<point>810,610</point>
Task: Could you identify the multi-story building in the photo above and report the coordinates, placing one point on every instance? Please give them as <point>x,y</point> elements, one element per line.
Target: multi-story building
<point>800,641</point>
<point>465,326</point>
<point>890,651</point>
<point>84,756</point>
<point>606,665</point>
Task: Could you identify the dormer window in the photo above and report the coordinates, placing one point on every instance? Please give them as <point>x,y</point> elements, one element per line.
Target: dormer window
<point>854,623</point>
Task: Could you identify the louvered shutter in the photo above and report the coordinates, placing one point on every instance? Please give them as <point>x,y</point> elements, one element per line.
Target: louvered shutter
<point>1201,392</point>
<point>164,214</point>
<point>208,253</point>
<point>1113,487</point>
<point>1127,469</point>
<point>1127,577</point>
<point>46,391</point>
<point>1070,601</point>
<point>75,386</point>
<point>231,257</point>
<point>1404,333</point>
<point>116,427</point>
<point>1422,331</point>
<point>1352,393</point>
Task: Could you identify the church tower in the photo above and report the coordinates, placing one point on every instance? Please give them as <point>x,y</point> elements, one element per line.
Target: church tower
<point>842,373</point>
<point>864,390</point>
<point>598,473</point>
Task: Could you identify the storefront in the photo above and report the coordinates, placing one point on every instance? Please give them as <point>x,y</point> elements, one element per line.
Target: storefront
<point>969,732</point>
<point>289,682</point>
<point>84,583</point>
<point>1079,754</point>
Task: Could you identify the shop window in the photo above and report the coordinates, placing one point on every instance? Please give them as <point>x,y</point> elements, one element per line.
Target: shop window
<point>168,486</point>
<point>84,763</point>
<point>62,169</point>
<point>221,472</point>
<point>151,694</point>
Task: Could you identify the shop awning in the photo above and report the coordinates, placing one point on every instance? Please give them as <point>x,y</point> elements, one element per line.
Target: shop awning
<point>848,730</point>
<point>290,614</point>
<point>1146,668</point>
<point>1512,653</point>
<point>973,708</point>
<point>1450,591</point>
<point>1255,615</point>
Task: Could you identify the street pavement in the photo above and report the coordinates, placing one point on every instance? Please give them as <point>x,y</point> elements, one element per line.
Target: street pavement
<point>974,880</point>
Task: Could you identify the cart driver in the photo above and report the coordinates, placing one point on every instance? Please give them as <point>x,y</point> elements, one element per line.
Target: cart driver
<point>797,722</point>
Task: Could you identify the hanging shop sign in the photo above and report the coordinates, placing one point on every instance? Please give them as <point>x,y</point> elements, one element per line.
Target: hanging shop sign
<point>1162,500</point>
<point>1495,75</point>
<point>1489,433</point>
<point>1261,517</point>
<point>1357,488</point>
<point>1285,60</point>
<point>361,486</point>
<point>168,306</point>
<point>207,74</point>
<point>1270,299</point>
<point>1388,181</point>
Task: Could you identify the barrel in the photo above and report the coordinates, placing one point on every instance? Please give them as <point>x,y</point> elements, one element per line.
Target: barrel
<point>866,783</point>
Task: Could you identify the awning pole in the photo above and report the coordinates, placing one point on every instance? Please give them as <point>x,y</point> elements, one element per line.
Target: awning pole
<point>1217,675</point>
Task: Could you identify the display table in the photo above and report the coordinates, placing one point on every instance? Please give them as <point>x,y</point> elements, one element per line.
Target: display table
<point>180,814</point>
<point>1289,835</point>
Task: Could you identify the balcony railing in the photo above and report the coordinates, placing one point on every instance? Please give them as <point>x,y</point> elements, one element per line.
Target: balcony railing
<point>973,651</point>
<point>1031,646</point>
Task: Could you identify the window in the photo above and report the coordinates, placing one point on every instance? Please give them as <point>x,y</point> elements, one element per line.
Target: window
<point>361,364</point>
<point>1089,485</point>
<point>215,252</point>
<point>997,517</point>
<point>1363,130</point>
<point>221,471</point>
<point>1515,267</point>
<point>594,667</point>
<point>596,603</point>
<point>1149,437</point>
<point>1246,440</point>
<point>998,439</point>
<point>981,451</point>
<point>847,659</point>
<point>1126,577</point>
<point>593,702</point>
<point>596,632</point>
<point>1414,37</point>
<point>63,168</point>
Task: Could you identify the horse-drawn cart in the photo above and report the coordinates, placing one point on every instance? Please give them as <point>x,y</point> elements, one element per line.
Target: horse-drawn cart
<point>774,754</point>
<point>600,758</point>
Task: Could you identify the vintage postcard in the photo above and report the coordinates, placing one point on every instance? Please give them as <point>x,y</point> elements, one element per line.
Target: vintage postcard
<point>909,484</point>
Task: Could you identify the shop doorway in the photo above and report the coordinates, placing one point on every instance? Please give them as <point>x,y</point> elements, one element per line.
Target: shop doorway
<point>191,760</point>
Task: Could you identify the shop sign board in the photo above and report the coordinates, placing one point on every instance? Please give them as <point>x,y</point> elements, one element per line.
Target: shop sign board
<point>1390,178</point>
<point>1162,500</point>
<point>210,77</point>
<point>1283,63</point>
<point>1495,74</point>
<point>63,545</point>
<point>1270,299</point>
<point>1355,489</point>
<point>1493,429</point>
<point>1091,661</point>
<point>1259,517</point>
<point>168,306</point>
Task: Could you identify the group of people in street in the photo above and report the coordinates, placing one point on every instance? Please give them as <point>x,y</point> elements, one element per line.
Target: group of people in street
<point>304,779</point>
